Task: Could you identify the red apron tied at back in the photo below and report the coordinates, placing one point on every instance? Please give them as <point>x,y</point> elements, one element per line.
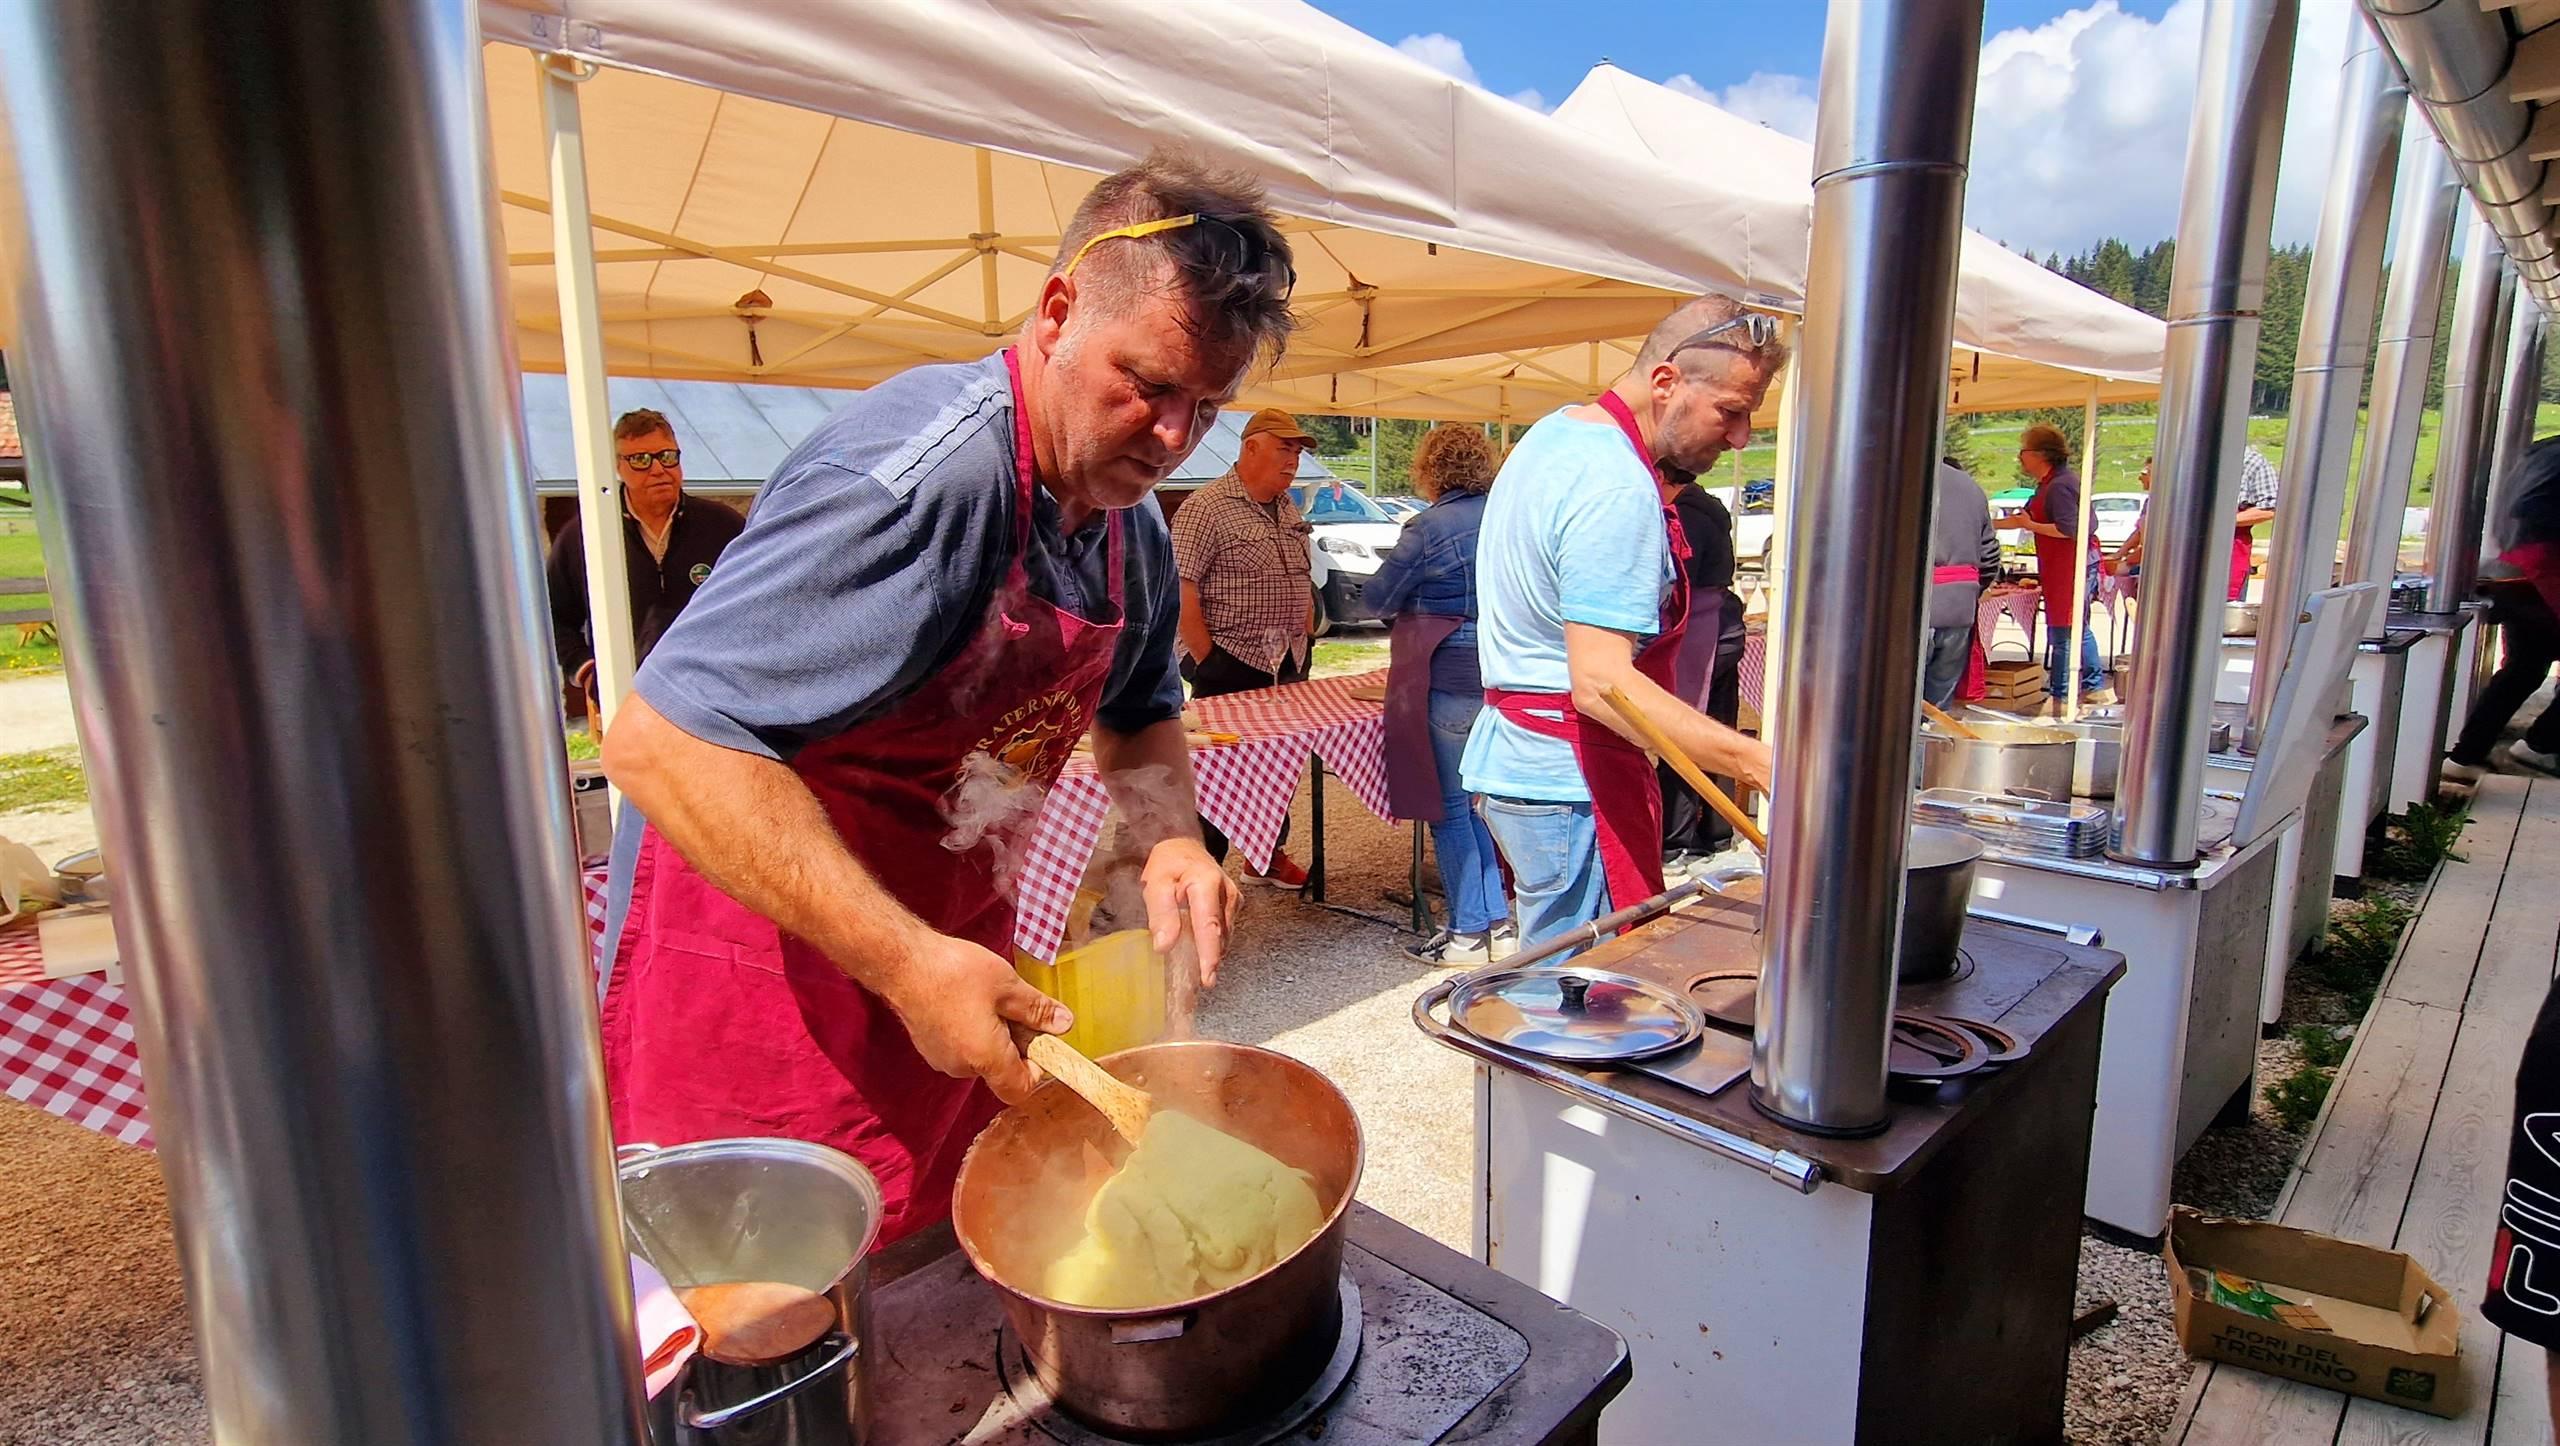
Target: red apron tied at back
<point>717,1024</point>
<point>1626,799</point>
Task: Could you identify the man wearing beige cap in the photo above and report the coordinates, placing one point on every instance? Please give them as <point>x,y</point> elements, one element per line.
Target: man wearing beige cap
<point>1240,548</point>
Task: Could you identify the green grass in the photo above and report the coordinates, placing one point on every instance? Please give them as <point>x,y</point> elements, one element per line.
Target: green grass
<point>20,556</point>
<point>2296,1098</point>
<point>35,780</point>
<point>2413,843</point>
<point>582,745</point>
<point>2359,949</point>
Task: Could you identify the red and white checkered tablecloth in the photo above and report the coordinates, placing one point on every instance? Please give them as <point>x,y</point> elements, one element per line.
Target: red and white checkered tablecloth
<point>67,1045</point>
<point>1246,787</point>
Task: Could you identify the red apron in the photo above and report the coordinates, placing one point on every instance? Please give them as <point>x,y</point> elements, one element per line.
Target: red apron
<point>2055,574</point>
<point>1413,770</point>
<point>1626,798</point>
<point>2242,545</point>
<point>717,1024</point>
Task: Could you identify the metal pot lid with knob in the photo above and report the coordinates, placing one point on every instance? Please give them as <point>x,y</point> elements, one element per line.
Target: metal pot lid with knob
<point>1574,1014</point>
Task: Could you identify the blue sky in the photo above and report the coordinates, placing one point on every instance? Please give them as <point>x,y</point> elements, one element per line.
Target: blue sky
<point>2080,124</point>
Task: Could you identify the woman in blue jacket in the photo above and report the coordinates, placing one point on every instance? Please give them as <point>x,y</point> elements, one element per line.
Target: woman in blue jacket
<point>1426,589</point>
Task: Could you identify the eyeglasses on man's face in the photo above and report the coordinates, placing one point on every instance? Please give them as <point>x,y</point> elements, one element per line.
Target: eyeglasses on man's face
<point>652,461</point>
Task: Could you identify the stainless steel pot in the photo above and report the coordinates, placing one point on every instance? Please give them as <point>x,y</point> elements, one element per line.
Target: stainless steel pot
<point>1194,1367</point>
<point>761,1209</point>
<point>1937,886</point>
<point>2240,620</point>
<point>2097,755</point>
<point>2028,758</point>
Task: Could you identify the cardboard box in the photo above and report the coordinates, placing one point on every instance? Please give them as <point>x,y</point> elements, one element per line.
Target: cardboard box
<point>2315,1309</point>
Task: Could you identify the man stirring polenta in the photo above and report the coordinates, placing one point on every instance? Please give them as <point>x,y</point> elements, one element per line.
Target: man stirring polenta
<point>959,565</point>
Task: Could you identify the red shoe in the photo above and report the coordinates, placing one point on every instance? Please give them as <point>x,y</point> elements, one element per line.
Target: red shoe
<point>1284,873</point>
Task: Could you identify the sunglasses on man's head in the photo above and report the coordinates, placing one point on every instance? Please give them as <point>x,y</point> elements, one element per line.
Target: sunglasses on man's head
<point>1758,330</point>
<point>652,461</point>
<point>1237,251</point>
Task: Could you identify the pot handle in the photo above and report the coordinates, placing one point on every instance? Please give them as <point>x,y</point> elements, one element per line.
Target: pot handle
<point>1161,1328</point>
<point>714,1420</point>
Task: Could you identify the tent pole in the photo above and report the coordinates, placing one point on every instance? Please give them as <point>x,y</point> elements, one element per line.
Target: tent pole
<point>573,247</point>
<point>2080,579</point>
<point>1782,493</point>
<point>1375,481</point>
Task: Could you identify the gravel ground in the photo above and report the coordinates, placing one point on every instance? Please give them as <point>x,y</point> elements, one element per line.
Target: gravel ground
<point>84,1226</point>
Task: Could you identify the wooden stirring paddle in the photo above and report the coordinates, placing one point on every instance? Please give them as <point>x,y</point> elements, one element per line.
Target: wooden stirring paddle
<point>1946,720</point>
<point>757,1322</point>
<point>1689,772</point>
<point>1126,1106</point>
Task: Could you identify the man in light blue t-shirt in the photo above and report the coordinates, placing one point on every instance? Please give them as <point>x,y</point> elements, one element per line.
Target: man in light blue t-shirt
<point>1573,574</point>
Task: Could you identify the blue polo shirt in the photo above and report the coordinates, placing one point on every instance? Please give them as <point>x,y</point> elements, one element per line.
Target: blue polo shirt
<point>1572,533</point>
<point>869,562</point>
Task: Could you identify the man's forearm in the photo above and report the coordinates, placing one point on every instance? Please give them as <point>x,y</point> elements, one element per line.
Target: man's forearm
<point>750,826</point>
<point>1193,625</point>
<point>1148,775</point>
<point>1598,660</point>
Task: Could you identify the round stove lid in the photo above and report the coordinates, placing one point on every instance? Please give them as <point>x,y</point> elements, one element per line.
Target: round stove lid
<point>1574,1014</point>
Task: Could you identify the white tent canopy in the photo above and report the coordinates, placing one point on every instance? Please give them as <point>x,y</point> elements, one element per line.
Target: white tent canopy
<point>890,178</point>
<point>2025,337</point>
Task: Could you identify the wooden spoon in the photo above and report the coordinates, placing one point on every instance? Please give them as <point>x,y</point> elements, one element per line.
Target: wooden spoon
<point>1689,772</point>
<point>1943,719</point>
<point>757,1322</point>
<point>1126,1106</point>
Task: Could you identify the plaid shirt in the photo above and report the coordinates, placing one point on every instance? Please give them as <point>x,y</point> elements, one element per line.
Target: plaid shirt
<point>2257,480</point>
<point>1250,563</point>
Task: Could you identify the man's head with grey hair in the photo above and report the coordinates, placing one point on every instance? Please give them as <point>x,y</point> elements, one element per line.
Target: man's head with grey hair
<point>1701,373</point>
<point>1170,282</point>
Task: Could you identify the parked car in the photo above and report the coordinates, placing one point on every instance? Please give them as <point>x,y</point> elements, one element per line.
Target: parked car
<point>1352,535</point>
<point>1755,522</point>
<point>2113,514</point>
<point>1402,509</point>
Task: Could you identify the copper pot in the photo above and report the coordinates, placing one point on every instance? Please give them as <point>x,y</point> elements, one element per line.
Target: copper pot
<point>1194,1366</point>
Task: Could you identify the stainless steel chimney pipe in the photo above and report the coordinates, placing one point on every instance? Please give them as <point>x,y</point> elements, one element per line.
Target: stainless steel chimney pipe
<point>2215,290</point>
<point>272,423</point>
<point>2403,355</point>
<point>2456,54</point>
<point>1896,122</point>
<point>2329,359</point>
<point>2519,394</point>
<point>2462,452</point>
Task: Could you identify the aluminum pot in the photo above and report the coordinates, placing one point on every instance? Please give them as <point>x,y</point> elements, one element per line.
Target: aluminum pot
<point>1194,1367</point>
<point>2240,620</point>
<point>2097,756</point>
<point>1937,885</point>
<point>2028,758</point>
<point>761,1209</point>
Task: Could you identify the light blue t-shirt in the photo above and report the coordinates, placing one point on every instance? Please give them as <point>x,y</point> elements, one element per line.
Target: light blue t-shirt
<point>1572,533</point>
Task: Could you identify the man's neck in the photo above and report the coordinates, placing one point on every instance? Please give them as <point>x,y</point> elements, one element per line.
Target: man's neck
<point>641,513</point>
<point>1631,390</point>
<point>1034,370</point>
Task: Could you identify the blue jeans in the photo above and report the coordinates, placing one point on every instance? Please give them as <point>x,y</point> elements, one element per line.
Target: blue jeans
<point>1469,873</point>
<point>1556,874</point>
<point>1942,666</point>
<point>2057,641</point>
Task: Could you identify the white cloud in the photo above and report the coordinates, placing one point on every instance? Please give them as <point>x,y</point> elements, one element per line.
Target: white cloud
<point>2080,125</point>
<point>1442,53</point>
<point>1783,103</point>
<point>1448,55</point>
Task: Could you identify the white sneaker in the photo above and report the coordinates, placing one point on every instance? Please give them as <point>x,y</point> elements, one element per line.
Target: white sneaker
<point>2464,772</point>
<point>1503,942</point>
<point>1447,950</point>
<point>2524,755</point>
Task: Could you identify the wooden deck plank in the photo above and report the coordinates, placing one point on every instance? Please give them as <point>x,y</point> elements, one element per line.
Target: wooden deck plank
<point>2522,1410</point>
<point>2451,1216</point>
<point>2376,1147</point>
<point>2443,944</point>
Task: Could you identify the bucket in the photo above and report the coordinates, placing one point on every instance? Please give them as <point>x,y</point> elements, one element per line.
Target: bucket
<point>721,1211</point>
<point>1115,986</point>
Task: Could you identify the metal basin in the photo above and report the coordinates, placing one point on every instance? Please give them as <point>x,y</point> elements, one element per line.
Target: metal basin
<point>1937,885</point>
<point>2022,758</point>
<point>2240,620</point>
<point>1194,1367</point>
<point>761,1209</point>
